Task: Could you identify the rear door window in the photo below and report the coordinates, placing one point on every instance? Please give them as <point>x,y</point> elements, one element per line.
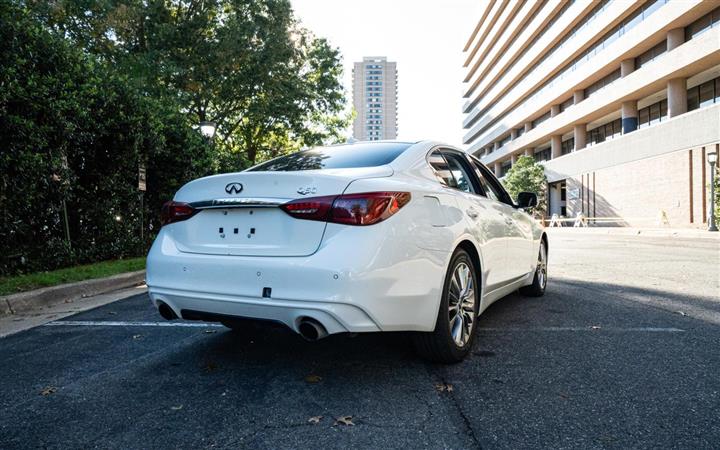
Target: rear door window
<point>336,157</point>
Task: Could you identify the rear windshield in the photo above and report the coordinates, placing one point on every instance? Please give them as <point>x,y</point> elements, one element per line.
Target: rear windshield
<point>337,157</point>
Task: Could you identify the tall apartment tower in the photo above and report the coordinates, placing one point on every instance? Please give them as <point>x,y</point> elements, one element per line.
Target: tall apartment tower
<point>619,100</point>
<point>375,99</point>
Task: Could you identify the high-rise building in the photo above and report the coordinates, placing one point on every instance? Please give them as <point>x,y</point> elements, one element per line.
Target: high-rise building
<point>619,99</point>
<point>375,99</point>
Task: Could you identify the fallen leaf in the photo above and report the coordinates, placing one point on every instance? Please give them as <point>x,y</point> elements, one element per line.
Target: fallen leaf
<point>444,387</point>
<point>564,395</point>
<point>344,420</point>
<point>112,313</point>
<point>137,336</point>
<point>210,331</point>
<point>48,390</point>
<point>315,419</point>
<point>682,313</point>
<point>595,327</point>
<point>176,408</point>
<point>313,378</point>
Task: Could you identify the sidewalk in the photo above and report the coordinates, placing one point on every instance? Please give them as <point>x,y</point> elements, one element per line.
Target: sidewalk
<point>685,233</point>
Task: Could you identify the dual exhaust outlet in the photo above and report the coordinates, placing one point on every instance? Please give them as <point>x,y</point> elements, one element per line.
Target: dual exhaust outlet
<point>309,328</point>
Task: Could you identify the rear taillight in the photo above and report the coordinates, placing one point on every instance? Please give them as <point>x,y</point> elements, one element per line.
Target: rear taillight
<point>175,212</point>
<point>313,208</point>
<point>351,209</point>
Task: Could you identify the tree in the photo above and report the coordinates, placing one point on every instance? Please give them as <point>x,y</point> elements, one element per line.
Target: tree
<point>268,83</point>
<point>526,175</point>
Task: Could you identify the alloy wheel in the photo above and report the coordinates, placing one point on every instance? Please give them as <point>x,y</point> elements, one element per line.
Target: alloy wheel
<point>461,304</point>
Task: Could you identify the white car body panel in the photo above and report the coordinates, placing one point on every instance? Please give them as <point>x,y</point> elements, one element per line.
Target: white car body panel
<point>383,277</point>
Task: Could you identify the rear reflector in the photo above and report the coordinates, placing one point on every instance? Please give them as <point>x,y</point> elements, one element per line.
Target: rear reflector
<point>351,209</point>
<point>176,212</point>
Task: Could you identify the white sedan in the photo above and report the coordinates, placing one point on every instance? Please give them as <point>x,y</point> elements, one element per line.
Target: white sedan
<point>366,237</point>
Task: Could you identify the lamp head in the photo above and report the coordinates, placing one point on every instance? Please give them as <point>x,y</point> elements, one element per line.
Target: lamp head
<point>207,129</point>
<point>712,158</point>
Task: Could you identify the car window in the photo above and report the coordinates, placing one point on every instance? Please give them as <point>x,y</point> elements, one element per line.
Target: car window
<point>460,170</point>
<point>490,184</point>
<point>336,157</point>
<point>440,168</point>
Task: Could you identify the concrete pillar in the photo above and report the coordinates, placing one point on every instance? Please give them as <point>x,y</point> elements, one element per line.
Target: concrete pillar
<point>498,169</point>
<point>513,158</point>
<point>629,116</point>
<point>487,151</point>
<point>555,146</point>
<point>578,96</point>
<point>675,38</point>
<point>529,152</point>
<point>528,126</point>
<point>677,96</point>
<point>554,110</point>
<point>580,135</point>
<point>513,134</point>
<point>627,66</point>
<point>497,145</point>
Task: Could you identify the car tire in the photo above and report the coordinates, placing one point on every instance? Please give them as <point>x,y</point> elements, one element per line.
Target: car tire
<point>537,288</point>
<point>448,343</point>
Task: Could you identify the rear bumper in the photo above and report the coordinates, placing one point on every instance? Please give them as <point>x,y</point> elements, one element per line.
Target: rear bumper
<point>353,283</point>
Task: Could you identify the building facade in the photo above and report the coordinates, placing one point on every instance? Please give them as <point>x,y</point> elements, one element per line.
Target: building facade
<point>375,99</point>
<point>619,99</point>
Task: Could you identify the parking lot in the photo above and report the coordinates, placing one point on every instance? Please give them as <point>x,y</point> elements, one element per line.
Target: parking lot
<point>623,351</point>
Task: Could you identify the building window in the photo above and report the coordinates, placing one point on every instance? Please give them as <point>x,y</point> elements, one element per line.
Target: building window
<point>542,155</point>
<point>605,132</point>
<point>541,119</point>
<point>705,94</point>
<point>601,83</point>
<point>504,168</point>
<point>566,104</point>
<point>651,54</point>
<point>505,140</point>
<point>703,24</point>
<point>567,146</point>
<point>519,132</point>
<point>650,115</point>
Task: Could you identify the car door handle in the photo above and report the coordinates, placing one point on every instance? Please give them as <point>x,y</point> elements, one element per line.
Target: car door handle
<point>472,213</point>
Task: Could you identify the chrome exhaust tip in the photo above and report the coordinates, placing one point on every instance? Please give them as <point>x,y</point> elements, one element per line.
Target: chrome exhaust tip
<point>166,312</point>
<point>311,330</point>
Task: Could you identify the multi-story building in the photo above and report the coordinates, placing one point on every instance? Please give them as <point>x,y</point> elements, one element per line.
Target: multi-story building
<point>375,99</point>
<point>620,99</point>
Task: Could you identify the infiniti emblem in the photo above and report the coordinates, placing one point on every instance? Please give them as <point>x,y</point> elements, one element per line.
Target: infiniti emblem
<point>234,188</point>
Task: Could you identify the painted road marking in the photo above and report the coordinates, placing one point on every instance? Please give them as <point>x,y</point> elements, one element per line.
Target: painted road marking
<point>591,328</point>
<point>110,323</point>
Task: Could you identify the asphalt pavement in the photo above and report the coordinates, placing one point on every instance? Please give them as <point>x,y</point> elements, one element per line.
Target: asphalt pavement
<point>622,352</point>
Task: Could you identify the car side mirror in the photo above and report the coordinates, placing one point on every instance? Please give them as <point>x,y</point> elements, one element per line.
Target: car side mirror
<point>527,200</point>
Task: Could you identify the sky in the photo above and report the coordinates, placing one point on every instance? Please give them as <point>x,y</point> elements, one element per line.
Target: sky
<point>424,37</point>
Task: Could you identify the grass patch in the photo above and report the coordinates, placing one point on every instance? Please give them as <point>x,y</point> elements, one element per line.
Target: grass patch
<point>21,283</point>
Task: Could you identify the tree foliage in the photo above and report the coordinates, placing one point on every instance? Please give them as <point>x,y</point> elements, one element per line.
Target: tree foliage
<point>268,83</point>
<point>526,175</point>
<point>91,89</point>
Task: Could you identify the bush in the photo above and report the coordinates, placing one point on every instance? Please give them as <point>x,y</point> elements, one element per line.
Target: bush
<point>72,134</point>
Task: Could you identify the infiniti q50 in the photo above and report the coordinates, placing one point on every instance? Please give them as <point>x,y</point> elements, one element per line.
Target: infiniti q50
<point>365,237</point>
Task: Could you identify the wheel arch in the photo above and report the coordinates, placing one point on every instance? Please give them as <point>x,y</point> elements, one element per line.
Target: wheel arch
<point>472,250</point>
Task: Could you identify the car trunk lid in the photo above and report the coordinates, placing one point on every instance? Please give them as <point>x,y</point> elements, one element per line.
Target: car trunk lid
<point>240,213</point>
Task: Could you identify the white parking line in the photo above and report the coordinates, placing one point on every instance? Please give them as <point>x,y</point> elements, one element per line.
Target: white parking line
<point>110,323</point>
<point>591,328</point>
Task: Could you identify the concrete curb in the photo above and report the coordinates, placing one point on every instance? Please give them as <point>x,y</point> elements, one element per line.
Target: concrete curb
<point>67,293</point>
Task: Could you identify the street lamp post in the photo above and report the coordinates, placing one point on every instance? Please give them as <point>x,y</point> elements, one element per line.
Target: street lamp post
<point>712,159</point>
